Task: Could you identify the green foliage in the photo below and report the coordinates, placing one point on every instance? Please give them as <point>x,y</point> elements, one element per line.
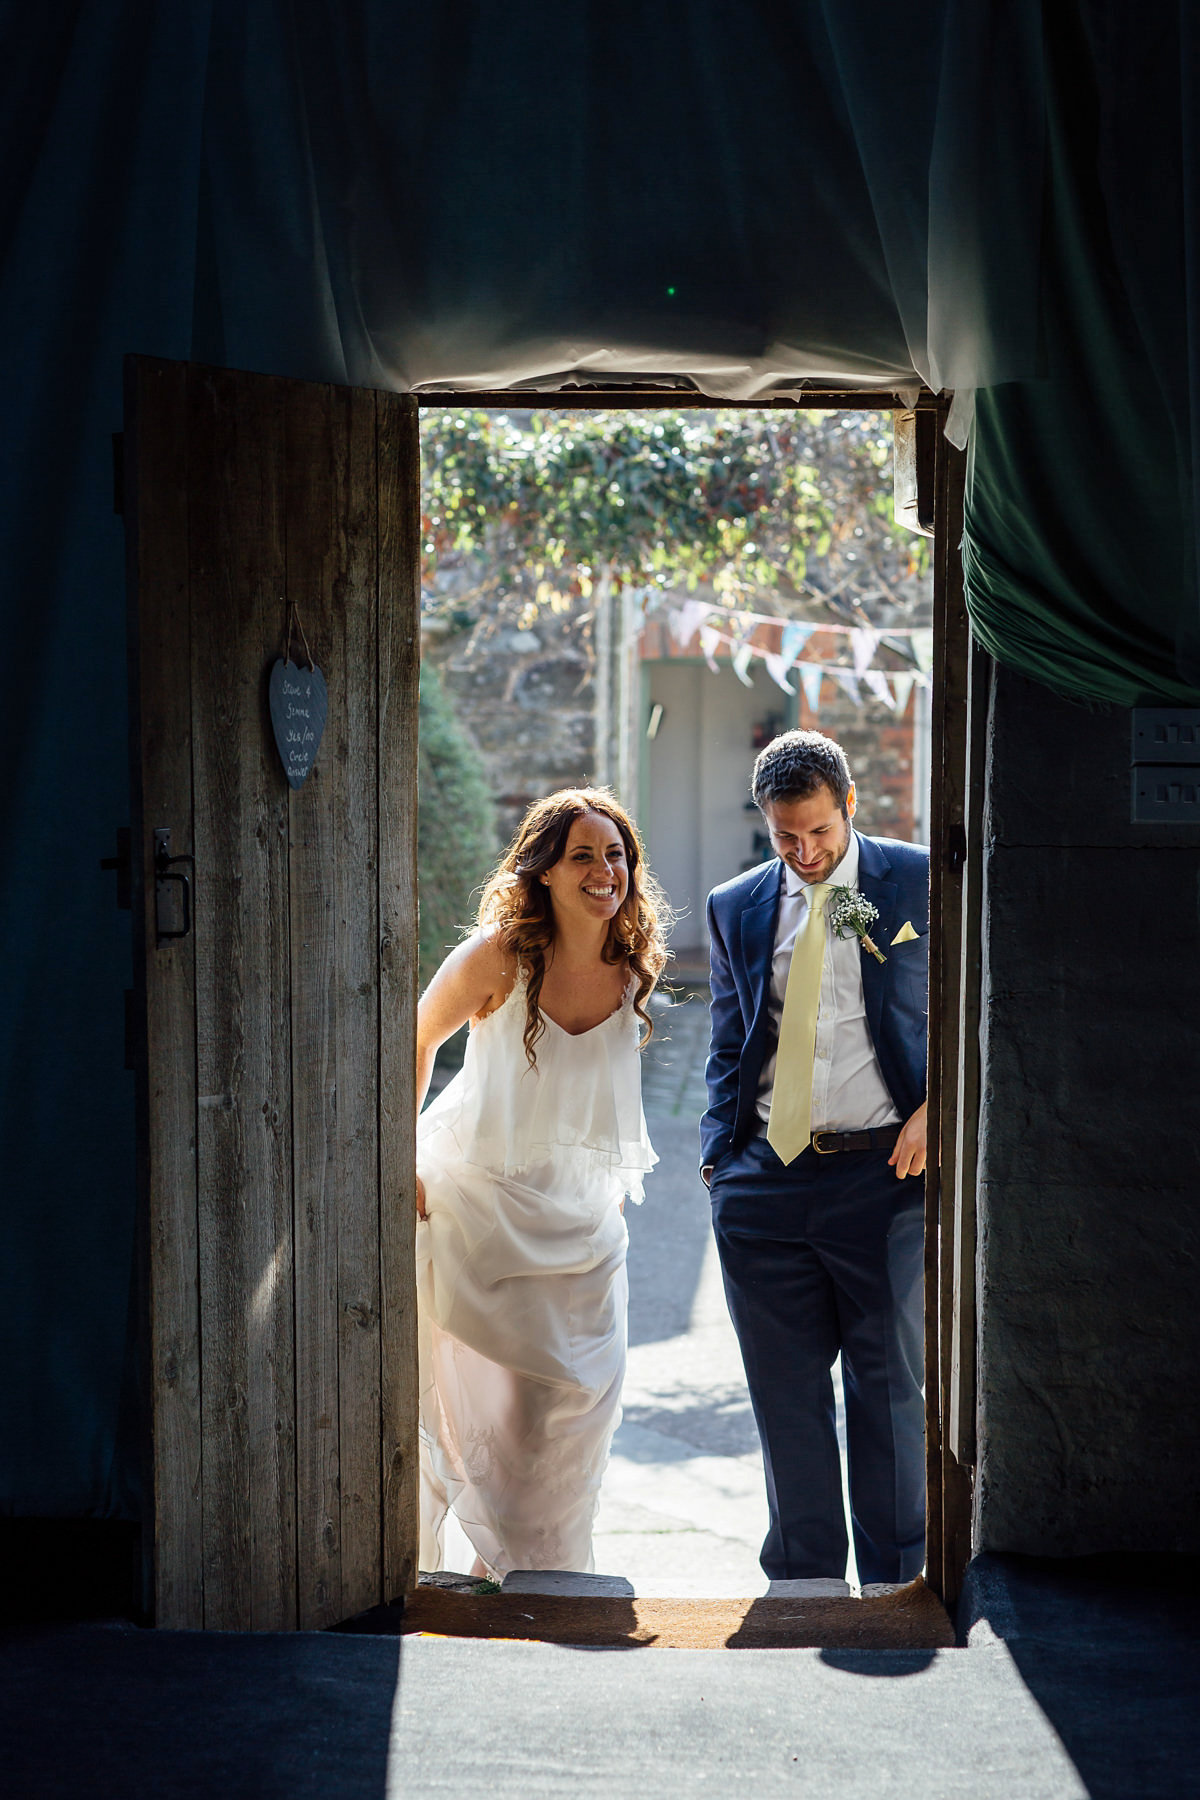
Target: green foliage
<point>795,504</point>
<point>662,498</point>
<point>456,825</point>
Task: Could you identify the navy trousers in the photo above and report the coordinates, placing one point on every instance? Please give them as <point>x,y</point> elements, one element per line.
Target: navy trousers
<point>822,1256</point>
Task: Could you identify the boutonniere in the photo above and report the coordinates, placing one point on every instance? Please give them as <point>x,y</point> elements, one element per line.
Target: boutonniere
<point>850,911</point>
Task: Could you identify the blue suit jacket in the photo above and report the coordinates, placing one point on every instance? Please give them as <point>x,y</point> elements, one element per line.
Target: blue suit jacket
<point>741,929</point>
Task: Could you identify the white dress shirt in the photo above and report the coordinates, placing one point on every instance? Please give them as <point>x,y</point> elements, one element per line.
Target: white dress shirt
<point>849,1092</point>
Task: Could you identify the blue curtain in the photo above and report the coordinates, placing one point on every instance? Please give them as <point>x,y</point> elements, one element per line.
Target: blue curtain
<point>101,131</point>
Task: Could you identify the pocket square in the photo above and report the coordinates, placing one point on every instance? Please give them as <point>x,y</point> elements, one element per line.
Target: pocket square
<point>906,934</point>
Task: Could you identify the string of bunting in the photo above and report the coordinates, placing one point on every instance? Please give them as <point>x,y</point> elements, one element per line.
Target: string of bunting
<point>891,686</point>
<point>687,617</point>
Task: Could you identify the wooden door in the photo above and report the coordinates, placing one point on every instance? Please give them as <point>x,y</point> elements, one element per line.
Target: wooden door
<point>276,1085</point>
<point>961,680</point>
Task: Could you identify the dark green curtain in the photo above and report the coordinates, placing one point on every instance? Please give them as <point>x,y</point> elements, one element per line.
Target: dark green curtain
<point>1080,547</point>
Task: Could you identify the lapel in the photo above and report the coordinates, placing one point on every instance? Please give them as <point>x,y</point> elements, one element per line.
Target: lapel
<point>758,934</point>
<point>873,871</point>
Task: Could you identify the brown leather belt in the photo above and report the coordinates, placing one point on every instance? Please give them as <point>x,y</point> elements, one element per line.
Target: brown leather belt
<point>884,1137</point>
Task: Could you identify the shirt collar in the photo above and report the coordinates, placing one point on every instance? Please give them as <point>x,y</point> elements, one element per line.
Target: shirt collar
<point>845,875</point>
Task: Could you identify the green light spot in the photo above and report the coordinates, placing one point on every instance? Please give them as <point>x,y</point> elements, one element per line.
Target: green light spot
<point>671,292</point>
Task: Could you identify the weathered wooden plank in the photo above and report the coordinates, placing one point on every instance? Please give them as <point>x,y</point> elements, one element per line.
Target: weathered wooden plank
<point>949,1505</point>
<point>960,1422</point>
<point>399,613</point>
<point>356,907</point>
<point>243,1025</point>
<point>933,1397</point>
<point>316,480</point>
<point>156,489</point>
<point>331,523</point>
<point>628,396</point>
<point>956,1479</point>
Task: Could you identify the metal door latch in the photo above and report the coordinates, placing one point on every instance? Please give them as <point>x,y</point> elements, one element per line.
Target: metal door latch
<point>166,876</point>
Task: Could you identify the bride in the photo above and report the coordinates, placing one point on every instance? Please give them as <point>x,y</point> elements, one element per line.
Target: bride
<point>524,1162</point>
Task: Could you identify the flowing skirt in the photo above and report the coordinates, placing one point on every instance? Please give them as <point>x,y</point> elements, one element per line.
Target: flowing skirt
<point>522,1300</point>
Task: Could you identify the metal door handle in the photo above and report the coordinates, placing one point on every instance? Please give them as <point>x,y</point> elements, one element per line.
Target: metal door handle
<point>163,873</point>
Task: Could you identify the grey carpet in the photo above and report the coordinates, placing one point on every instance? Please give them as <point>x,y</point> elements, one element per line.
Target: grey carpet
<point>1081,1680</point>
<point>99,1713</point>
<point>1109,1647</point>
<point>176,1715</point>
<point>537,1721</point>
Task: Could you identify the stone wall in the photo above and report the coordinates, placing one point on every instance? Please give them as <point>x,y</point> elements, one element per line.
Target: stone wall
<point>1090,1150</point>
<point>880,748</point>
<point>526,697</point>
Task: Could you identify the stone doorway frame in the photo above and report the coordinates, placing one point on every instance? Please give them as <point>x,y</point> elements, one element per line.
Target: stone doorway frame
<point>959,708</point>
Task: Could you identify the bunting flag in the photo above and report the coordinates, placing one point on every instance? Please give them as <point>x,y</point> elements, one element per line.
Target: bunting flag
<point>847,680</point>
<point>686,620</point>
<point>795,636</point>
<point>710,638</point>
<point>863,644</point>
<point>922,644</point>
<point>877,681</point>
<point>810,681</point>
<point>777,669</point>
<point>902,687</point>
<point>741,660</point>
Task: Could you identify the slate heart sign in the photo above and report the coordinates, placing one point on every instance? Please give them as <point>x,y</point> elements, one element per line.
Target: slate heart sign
<point>299,701</point>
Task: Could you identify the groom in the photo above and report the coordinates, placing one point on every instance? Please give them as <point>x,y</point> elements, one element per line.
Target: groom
<point>814,1150</point>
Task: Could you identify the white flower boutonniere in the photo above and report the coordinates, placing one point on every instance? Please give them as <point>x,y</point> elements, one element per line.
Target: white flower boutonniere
<point>849,910</point>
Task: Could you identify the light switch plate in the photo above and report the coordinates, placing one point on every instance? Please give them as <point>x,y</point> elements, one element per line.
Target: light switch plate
<point>1166,794</point>
<point>1166,734</point>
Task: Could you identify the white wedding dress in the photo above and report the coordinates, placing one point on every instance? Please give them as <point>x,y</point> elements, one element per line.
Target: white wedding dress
<point>521,1284</point>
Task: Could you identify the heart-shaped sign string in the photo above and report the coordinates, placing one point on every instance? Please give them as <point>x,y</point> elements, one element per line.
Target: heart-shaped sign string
<point>299,701</point>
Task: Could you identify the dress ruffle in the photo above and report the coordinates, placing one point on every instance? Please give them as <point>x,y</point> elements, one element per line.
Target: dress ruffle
<point>580,1106</point>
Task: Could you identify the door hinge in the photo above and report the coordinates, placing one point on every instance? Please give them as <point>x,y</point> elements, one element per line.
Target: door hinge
<point>122,862</point>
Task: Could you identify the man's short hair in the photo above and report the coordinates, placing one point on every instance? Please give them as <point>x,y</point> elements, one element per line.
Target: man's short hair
<point>795,764</point>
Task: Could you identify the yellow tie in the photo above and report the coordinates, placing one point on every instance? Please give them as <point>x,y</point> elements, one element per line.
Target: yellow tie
<point>789,1123</point>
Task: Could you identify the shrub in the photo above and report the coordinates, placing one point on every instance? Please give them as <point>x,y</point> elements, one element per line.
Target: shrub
<point>456,825</point>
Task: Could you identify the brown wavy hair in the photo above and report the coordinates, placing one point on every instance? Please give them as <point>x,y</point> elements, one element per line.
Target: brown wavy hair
<point>517,905</point>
